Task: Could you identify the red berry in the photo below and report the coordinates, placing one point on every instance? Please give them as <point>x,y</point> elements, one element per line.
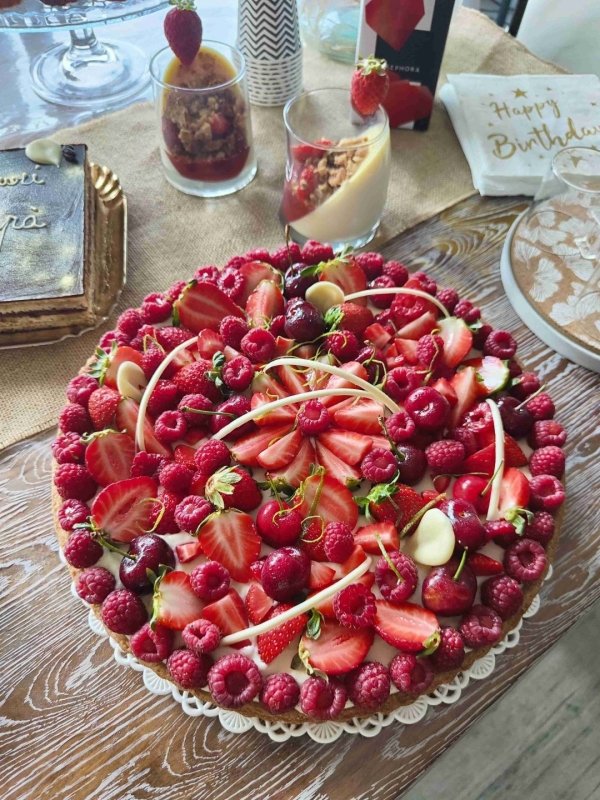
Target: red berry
<point>191,512</point>
<point>547,432</point>
<point>321,699</point>
<point>71,513</point>
<point>503,594</point>
<point>95,584</point>
<point>129,322</point>
<point>467,311</point>
<point>481,627</point>
<point>394,588</point>
<point>193,406</point>
<point>259,345</point>
<point>314,252</point>
<point>313,539</point>
<point>450,652</point>
<point>448,297</point>
<point>285,256</point>
<point>379,466</point>
<point>277,524</point>
<point>231,283</point>
<point>541,406</point>
<point>481,334</point>
<point>343,345</point>
<point>146,464</point>
<point>468,439</point>
<point>430,349</point>
<point>155,308</point>
<point>194,379</point>
<point>427,284</point>
<point>501,531</point>
<point>411,674</point>
<point>212,456</point>
<point>74,418</point>
<point>68,448</point>
<point>280,693</point>
<point>371,264</point>
<point>412,463</point>
<point>183,31</point>
<point>500,344</point>
<point>355,606</point>
<point>407,308</point>
<point>170,426</point>
<point>369,85</point>
<point>525,560</point>
<point>547,461</point>
<point>445,456</point>
<point>82,550</point>
<point>428,408</point>
<point>123,612</point>
<point>313,418</point>
<point>246,496</point>
<point>201,636</point>
<point>285,573</point>
<point>164,396</point>
<point>162,518</point>
<point>541,527</point>
<point>258,254</point>
<point>396,271</point>
<point>190,670</point>
<point>547,493</point>
<point>175,477</point>
<point>80,389</point>
<point>233,330</point>
<point>238,373</point>
<point>152,643</point>
<point>338,542</point>
<point>400,382</point>
<point>152,359</point>
<point>400,427</point>
<point>527,384</point>
<point>382,300</point>
<point>368,685</point>
<point>210,581</point>
<point>73,481</point>
<point>234,681</point>
<point>170,336</point>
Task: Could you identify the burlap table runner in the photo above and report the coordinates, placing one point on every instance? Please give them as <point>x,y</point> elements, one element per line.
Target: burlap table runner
<point>170,234</point>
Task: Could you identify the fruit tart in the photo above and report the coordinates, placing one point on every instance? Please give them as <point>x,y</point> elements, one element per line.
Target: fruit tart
<point>307,486</point>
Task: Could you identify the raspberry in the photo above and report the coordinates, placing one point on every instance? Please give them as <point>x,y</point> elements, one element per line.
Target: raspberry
<point>236,262</point>
<point>129,322</point>
<point>313,539</point>
<point>280,693</point>
<point>448,297</point>
<point>501,531</point>
<point>355,606</point>
<point>285,256</point>
<point>232,284</point>
<point>407,308</point>
<point>110,338</point>
<point>68,449</point>
<point>80,389</point>
<point>212,456</point>
<point>410,674</point>
<point>191,513</point>
<point>481,626</point>
<point>547,461</point>
<point>152,644</point>
<point>445,456</point>
<point>146,464</point>
<point>467,438</point>
<point>73,481</point>
<point>210,581</point>
<point>258,254</point>
<point>190,405</point>
<point>371,264</point>
<point>343,345</point>
<point>74,419</point>
<point>500,344</point>
<point>144,338</point>
<point>396,271</point>
<point>175,477</point>
<point>234,681</point>
<point>525,560</point>
<point>547,432</point>
<point>391,587</point>
<point>338,542</point>
<point>527,384</point>
<point>71,513</point>
<point>238,373</point>
<point>164,396</point>
<point>208,274</point>
<point>428,408</point>
<point>503,594</point>
<point>368,685</point>
<point>400,427</point>
<point>541,527</point>
<point>201,636</point>
<point>152,359</point>
<point>479,420</point>
<point>259,345</point>
<point>82,550</point>
<point>541,406</point>
<point>382,300</point>
<point>233,330</point>
<point>170,336</point>
<point>189,669</point>
<point>379,466</point>
<point>412,463</point>
<point>162,518</point>
<point>123,612</point>
<point>193,379</point>
<point>313,418</point>
<point>277,326</point>
<point>430,349</point>
<point>246,495</point>
<point>155,308</point>
<point>170,426</point>
<point>467,311</point>
<point>481,334</point>
<point>427,284</point>
<point>450,652</point>
<point>400,382</point>
<point>175,290</point>
<point>321,699</point>
<point>314,252</point>
<point>355,318</point>
<point>95,584</point>
<point>547,493</point>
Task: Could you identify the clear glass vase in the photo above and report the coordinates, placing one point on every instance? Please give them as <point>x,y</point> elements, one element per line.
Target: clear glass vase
<point>331,26</point>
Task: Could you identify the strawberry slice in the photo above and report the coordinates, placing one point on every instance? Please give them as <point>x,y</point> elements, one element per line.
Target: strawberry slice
<point>202,305</point>
<point>362,416</point>
<point>254,273</point>
<point>356,557</point>
<point>275,641</point>
<point>407,348</point>
<point>335,467</point>
<point>230,538</point>
<point>229,615</point>
<point>109,457</point>
<point>126,419</point>
<point>484,460</point>
<point>277,416</point>
<point>337,650</point>
<point>445,388</point>
<point>325,607</point>
<point>493,374</point>
<point>395,503</point>
<point>514,490</point>
<point>283,345</point>
<point>335,382</point>
<point>107,365</point>
<point>323,495</point>
<point>123,509</point>
<point>321,576</point>
<point>280,453</point>
<point>266,384</point>
<point>366,537</point>
<point>247,449</point>
<point>265,302</point>
<point>293,380</point>
<point>378,335</point>
<point>184,454</point>
<point>299,469</point>
<point>484,565</point>
<point>419,326</point>
<point>458,340</point>
<point>209,343</point>
<point>346,274</point>
<point>405,625</point>
<point>258,603</point>
<point>466,388</point>
<point>188,551</point>
<point>350,446</point>
<point>175,605</point>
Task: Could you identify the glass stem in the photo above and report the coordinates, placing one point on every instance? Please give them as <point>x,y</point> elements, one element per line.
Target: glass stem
<point>84,49</point>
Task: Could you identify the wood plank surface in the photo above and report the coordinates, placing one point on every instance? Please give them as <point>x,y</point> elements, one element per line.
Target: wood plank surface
<point>77,727</point>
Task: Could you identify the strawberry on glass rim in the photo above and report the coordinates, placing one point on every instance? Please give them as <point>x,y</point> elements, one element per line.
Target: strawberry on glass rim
<point>298,469</point>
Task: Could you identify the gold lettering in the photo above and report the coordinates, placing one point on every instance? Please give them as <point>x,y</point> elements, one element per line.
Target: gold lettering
<point>503,148</point>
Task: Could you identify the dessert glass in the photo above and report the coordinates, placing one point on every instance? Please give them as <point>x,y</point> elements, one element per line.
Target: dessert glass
<point>337,171</point>
<point>204,120</point>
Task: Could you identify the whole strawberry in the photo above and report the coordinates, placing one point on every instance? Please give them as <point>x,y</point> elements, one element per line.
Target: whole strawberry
<point>369,85</point>
<point>183,30</point>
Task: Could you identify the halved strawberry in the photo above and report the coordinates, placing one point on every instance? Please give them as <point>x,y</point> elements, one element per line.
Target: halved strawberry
<point>188,551</point>
<point>484,460</point>
<point>407,626</point>
<point>209,343</point>
<point>174,604</point>
<point>184,454</point>
<point>292,379</point>
<point>254,272</point>
<point>325,607</point>
<point>283,345</point>
<point>367,536</point>
<point>247,449</point>
<point>258,603</point>
<point>321,576</point>
<point>275,641</point>
<point>419,326</point>
<point>514,490</point>
<point>335,467</point>
<point>202,305</point>
<point>299,469</point>
<point>445,388</point>
<point>335,382</point>
<point>281,452</point>
<point>466,388</point>
<point>229,615</point>
<point>378,335</point>
<point>493,374</point>
<point>458,340</point>
<point>109,457</point>
<point>355,559</point>
<point>338,649</point>
<point>107,365</point>
<point>346,274</point>
<point>265,383</point>
<point>323,495</point>
<point>277,416</point>
<point>126,419</point>
<point>362,416</point>
<point>230,537</point>
<point>396,503</point>
<point>350,446</point>
<point>265,302</point>
<point>123,510</point>
<point>407,348</point>
<point>484,565</point>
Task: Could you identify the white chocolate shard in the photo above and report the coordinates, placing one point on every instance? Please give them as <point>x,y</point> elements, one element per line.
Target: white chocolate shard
<point>499,460</point>
<point>44,151</point>
<point>432,544</point>
<point>400,290</point>
<point>131,381</point>
<point>324,295</point>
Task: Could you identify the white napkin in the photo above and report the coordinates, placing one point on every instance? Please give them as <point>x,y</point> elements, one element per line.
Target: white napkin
<point>509,127</point>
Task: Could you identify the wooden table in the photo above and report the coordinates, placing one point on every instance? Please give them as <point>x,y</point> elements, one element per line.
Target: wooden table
<point>76,726</point>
